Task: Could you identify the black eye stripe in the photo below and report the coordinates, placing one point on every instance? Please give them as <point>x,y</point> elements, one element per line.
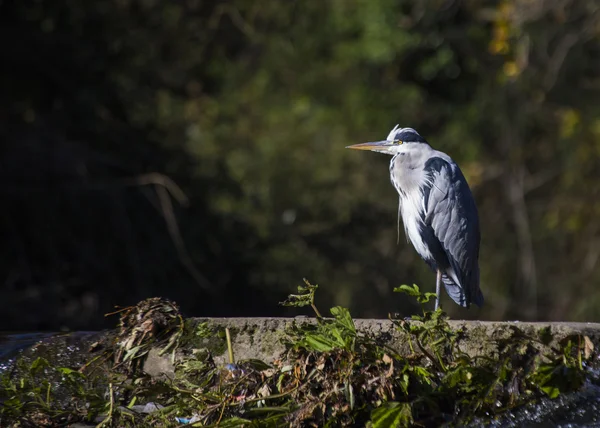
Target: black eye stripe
<point>409,137</point>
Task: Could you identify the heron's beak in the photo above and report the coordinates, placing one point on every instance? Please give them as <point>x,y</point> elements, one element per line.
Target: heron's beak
<point>376,146</point>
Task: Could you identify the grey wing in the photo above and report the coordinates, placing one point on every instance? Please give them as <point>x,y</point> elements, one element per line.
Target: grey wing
<point>450,212</point>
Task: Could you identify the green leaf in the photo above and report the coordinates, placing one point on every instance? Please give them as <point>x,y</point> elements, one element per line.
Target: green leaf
<point>70,374</point>
<point>392,414</point>
<point>305,296</point>
<point>556,378</point>
<point>453,378</point>
<point>337,336</point>
<point>424,298</point>
<point>343,317</point>
<point>405,382</point>
<point>227,423</point>
<point>38,365</point>
<point>203,330</point>
<point>133,353</point>
<point>319,343</point>
<point>411,291</point>
<point>551,391</point>
<point>422,373</point>
<point>256,364</point>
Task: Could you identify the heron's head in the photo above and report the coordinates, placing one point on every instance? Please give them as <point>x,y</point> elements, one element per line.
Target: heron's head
<point>394,143</point>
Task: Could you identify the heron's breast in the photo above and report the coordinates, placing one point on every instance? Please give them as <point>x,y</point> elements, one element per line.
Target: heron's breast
<point>411,217</point>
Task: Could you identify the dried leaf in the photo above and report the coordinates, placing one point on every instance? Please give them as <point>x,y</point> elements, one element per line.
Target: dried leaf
<point>588,347</point>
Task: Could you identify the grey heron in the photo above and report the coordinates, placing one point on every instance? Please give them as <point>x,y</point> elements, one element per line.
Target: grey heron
<point>438,212</point>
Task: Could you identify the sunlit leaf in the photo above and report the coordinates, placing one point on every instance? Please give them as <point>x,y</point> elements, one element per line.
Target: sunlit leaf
<point>319,343</point>
<point>343,317</point>
<point>406,289</point>
<point>392,414</point>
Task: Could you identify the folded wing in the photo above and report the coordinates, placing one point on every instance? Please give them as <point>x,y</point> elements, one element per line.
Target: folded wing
<point>450,215</point>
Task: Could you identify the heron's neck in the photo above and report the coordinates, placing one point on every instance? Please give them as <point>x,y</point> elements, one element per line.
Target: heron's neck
<point>407,168</point>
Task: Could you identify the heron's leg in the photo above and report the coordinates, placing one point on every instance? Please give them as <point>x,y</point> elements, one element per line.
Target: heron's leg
<point>438,288</point>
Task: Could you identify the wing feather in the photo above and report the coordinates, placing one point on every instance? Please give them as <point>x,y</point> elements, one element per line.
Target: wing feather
<point>451,213</point>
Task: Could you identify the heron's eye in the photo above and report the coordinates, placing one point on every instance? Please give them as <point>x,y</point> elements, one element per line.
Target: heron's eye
<point>398,142</point>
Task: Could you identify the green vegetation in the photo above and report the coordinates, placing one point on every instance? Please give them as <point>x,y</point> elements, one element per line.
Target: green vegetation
<point>195,150</point>
<point>331,374</point>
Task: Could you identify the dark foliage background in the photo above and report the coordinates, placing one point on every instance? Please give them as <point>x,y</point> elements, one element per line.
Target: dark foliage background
<point>195,150</point>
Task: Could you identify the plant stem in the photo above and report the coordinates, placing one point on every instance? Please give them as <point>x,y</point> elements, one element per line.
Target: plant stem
<point>229,347</point>
<point>312,304</point>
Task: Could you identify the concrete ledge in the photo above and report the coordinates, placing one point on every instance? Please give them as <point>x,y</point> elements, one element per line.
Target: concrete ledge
<point>260,338</point>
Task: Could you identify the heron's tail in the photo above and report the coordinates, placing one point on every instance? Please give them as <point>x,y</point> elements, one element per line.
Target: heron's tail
<point>458,294</point>
<point>455,291</point>
<point>476,294</point>
<point>477,297</point>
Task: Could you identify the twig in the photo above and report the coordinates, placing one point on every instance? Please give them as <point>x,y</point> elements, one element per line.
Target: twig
<point>119,311</point>
<point>312,305</point>
<point>229,346</point>
<point>282,394</point>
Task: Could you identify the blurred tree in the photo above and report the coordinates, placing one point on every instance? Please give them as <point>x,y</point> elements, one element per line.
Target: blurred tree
<point>112,107</point>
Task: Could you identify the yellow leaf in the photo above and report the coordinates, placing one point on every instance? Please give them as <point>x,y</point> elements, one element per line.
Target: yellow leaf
<point>511,69</point>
